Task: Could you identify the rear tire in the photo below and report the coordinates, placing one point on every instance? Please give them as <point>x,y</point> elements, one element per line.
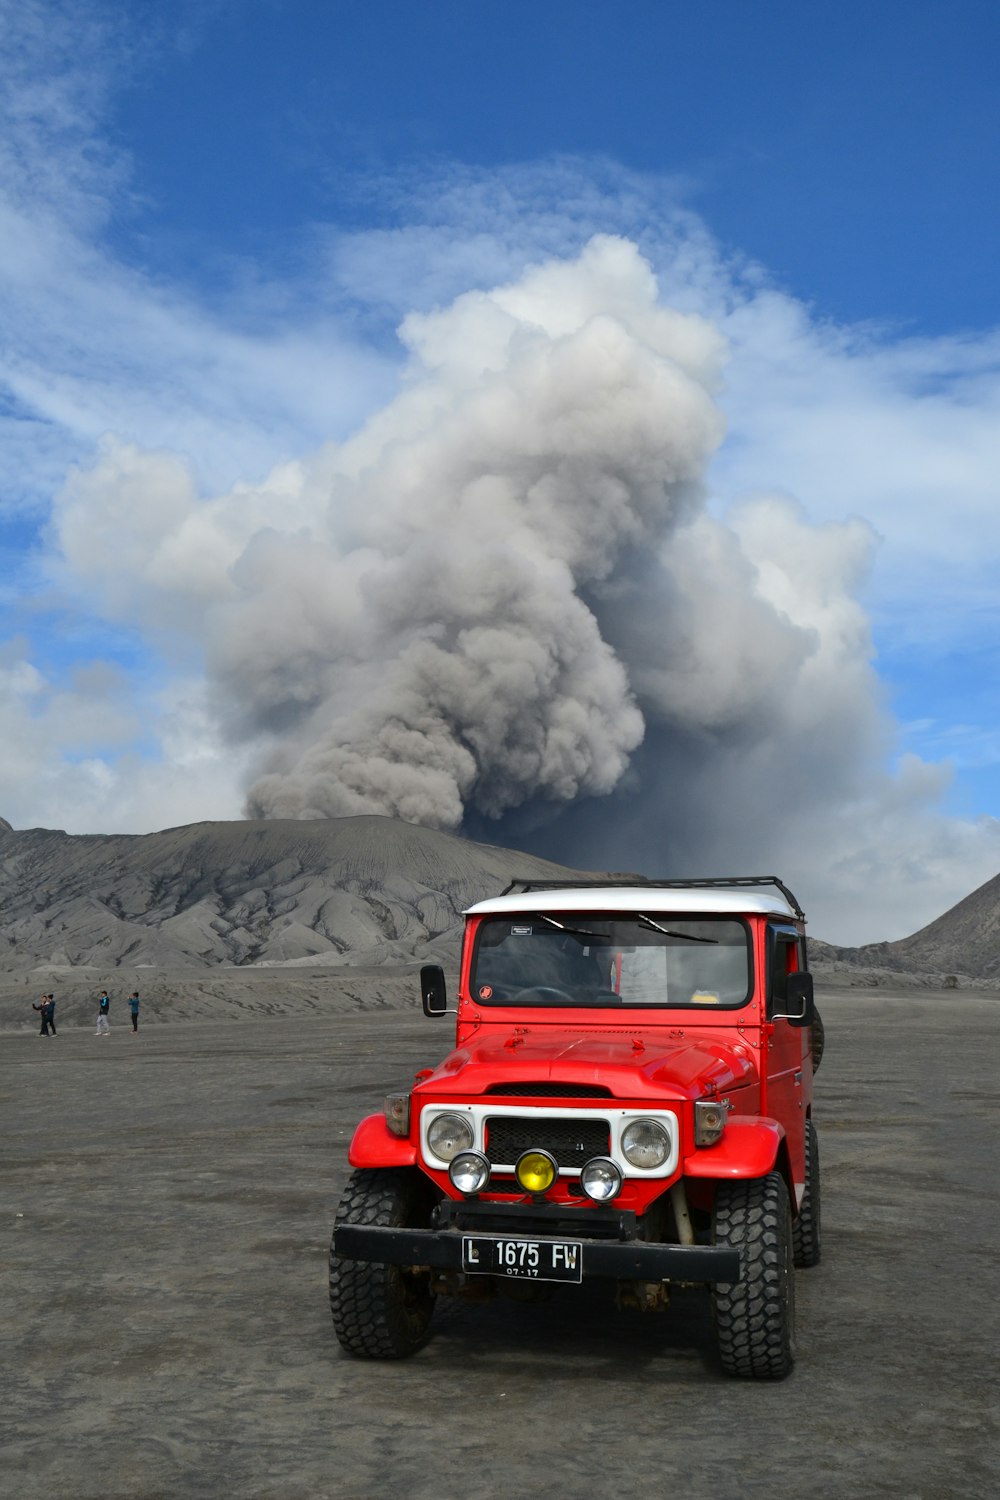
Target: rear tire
<point>806,1235</point>
<point>381,1311</point>
<point>755,1317</point>
<point>818,1040</point>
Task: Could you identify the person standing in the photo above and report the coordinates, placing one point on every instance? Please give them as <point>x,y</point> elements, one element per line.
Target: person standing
<point>49,1013</point>
<point>133,1005</point>
<point>103,1024</point>
<point>42,1007</point>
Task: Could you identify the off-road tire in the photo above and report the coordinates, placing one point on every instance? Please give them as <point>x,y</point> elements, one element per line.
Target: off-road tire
<point>381,1311</point>
<point>818,1040</point>
<point>806,1235</point>
<point>755,1317</point>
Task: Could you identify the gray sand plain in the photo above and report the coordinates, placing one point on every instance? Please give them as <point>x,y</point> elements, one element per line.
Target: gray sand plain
<point>167,1202</point>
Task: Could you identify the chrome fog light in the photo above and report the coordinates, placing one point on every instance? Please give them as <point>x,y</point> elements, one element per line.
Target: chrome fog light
<point>469,1172</point>
<point>601,1179</point>
<point>646,1143</point>
<point>709,1120</point>
<point>447,1135</point>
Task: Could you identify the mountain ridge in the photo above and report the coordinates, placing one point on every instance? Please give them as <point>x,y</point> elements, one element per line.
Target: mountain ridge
<point>367,891</point>
<point>963,941</point>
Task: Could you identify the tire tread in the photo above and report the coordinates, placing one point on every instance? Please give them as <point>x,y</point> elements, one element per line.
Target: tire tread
<point>368,1298</point>
<point>806,1231</point>
<point>754,1317</point>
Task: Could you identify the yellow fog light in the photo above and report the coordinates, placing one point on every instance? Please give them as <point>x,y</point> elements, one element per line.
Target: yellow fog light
<point>536,1171</point>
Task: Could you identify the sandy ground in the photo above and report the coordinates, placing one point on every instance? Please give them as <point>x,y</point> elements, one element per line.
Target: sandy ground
<point>167,1203</point>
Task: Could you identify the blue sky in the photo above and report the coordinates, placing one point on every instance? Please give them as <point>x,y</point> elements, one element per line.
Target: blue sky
<point>215,222</point>
<point>850,149</point>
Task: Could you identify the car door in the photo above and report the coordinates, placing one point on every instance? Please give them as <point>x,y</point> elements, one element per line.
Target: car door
<point>788,1072</point>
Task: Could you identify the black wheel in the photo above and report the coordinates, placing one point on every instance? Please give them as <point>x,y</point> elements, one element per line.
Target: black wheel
<point>806,1240</point>
<point>818,1040</point>
<point>380,1311</point>
<point>755,1317</point>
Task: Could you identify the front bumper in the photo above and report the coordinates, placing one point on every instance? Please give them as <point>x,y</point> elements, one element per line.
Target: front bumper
<point>622,1257</point>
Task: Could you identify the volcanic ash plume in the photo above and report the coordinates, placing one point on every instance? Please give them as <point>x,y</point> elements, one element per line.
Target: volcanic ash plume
<point>436,650</point>
<point>504,605</point>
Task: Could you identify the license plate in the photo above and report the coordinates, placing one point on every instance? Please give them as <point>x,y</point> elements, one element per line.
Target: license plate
<point>528,1260</point>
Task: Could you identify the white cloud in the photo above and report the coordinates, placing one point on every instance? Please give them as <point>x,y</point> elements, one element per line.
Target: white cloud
<point>68,762</point>
<point>93,345</point>
<point>904,432</point>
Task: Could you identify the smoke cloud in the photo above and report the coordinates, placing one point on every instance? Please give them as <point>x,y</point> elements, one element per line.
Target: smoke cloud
<point>507,606</point>
<point>432,648</point>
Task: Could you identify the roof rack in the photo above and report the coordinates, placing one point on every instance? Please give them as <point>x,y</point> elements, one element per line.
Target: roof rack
<point>701,882</point>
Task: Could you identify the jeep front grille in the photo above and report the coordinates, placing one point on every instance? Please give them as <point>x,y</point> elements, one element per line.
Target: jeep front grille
<point>572,1142</point>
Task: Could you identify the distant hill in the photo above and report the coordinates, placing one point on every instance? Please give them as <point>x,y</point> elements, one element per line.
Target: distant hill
<point>360,891</point>
<point>965,941</point>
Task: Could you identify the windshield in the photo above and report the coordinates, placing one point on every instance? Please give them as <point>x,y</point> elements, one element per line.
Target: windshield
<point>586,958</point>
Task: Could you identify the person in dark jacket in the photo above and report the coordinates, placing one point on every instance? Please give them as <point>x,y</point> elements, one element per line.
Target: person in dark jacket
<point>103,1006</point>
<point>46,1016</point>
<point>133,1005</point>
<point>49,1013</point>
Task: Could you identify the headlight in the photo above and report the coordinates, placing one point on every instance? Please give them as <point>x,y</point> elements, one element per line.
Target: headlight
<point>469,1171</point>
<point>448,1135</point>
<point>709,1120</point>
<point>536,1171</point>
<point>645,1143</point>
<point>397,1113</point>
<point>601,1179</point>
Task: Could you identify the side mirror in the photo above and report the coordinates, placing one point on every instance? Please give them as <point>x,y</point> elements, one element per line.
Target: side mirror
<point>433,990</point>
<point>801,1006</point>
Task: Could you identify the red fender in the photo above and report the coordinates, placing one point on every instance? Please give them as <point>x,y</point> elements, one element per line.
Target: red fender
<point>749,1148</point>
<point>374,1145</point>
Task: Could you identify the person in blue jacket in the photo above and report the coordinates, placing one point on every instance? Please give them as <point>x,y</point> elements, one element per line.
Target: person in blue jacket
<point>133,1005</point>
<point>103,1006</point>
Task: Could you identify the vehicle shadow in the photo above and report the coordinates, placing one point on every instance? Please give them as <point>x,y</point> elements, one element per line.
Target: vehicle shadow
<point>584,1329</point>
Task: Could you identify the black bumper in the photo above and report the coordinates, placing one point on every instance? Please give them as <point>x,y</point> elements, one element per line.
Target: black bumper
<point>633,1260</point>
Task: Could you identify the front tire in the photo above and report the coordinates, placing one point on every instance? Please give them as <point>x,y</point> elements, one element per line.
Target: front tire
<point>755,1317</point>
<point>381,1311</point>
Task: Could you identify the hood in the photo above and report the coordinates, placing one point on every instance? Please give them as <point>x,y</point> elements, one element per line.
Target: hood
<point>658,1064</point>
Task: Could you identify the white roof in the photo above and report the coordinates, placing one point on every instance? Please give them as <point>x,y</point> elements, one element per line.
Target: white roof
<point>647,898</point>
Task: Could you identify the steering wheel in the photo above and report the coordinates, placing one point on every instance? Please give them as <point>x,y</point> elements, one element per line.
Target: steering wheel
<point>544,992</point>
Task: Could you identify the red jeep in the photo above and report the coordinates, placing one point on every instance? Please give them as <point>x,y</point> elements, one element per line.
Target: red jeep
<point>629,1097</point>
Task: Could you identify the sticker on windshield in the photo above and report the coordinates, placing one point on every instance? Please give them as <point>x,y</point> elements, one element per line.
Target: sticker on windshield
<point>486,992</point>
<point>520,932</point>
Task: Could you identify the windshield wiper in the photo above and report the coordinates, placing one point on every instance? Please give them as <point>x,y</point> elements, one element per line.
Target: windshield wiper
<point>639,916</point>
<point>686,937</point>
<point>576,931</point>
